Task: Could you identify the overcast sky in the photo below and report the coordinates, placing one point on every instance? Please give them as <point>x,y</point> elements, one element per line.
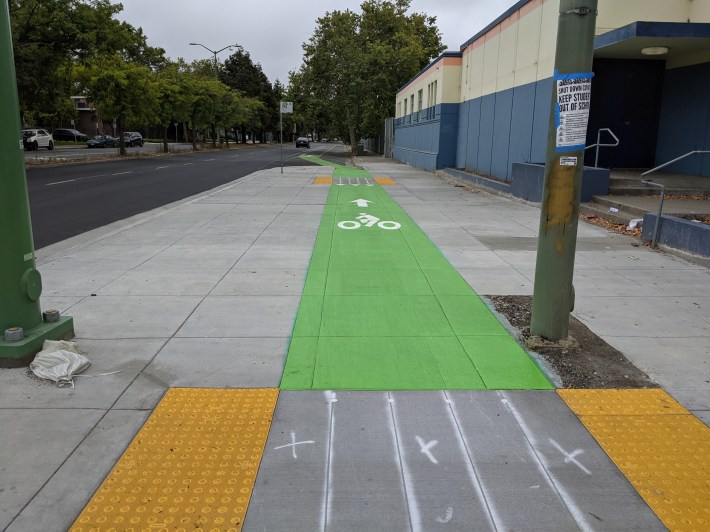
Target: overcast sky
<point>272,31</point>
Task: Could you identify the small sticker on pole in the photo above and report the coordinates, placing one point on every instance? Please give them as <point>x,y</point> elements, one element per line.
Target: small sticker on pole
<point>568,161</point>
<point>287,107</point>
<point>573,99</point>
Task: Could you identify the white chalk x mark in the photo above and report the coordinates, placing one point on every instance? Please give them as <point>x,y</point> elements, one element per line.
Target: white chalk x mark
<point>425,448</point>
<point>293,445</point>
<point>571,457</point>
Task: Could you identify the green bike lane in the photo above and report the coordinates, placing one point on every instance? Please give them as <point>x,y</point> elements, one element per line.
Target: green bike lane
<point>382,308</point>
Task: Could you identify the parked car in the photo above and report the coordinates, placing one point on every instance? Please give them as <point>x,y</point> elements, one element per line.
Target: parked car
<point>102,141</point>
<point>303,141</point>
<point>70,135</point>
<point>34,139</point>
<point>132,138</point>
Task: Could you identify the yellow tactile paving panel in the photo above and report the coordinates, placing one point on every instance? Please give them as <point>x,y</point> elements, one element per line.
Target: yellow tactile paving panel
<point>657,444</point>
<point>191,467</point>
<point>384,181</point>
<point>621,402</point>
<point>323,181</point>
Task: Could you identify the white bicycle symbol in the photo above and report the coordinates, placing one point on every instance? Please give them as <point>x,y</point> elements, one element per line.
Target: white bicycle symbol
<point>368,221</point>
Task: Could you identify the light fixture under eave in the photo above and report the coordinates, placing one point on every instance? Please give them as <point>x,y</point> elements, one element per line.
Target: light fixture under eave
<point>654,50</point>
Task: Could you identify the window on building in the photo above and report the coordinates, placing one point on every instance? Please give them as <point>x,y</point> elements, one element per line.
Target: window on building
<point>405,107</point>
<point>411,101</point>
<point>420,99</point>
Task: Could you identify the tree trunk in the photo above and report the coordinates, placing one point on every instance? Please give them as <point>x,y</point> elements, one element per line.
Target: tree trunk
<point>165,139</point>
<point>214,136</point>
<point>192,133</point>
<point>353,141</point>
<point>121,144</point>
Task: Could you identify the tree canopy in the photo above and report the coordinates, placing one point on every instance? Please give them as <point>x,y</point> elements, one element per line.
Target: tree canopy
<point>354,63</point>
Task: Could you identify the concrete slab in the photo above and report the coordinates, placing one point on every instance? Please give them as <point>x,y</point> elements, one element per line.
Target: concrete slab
<point>674,283</point>
<point>164,282</point>
<point>437,460</point>
<point>596,492</point>
<point>71,283</point>
<point>667,360</point>
<point>34,443</point>
<point>19,388</point>
<point>263,281</point>
<point>207,363</point>
<point>269,257</point>
<point>109,257</point>
<point>182,257</point>
<point>242,317</point>
<point>639,316</point>
<point>54,507</point>
<point>110,317</point>
<point>494,281</point>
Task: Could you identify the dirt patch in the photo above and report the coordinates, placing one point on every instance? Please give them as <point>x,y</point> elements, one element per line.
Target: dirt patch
<point>583,360</point>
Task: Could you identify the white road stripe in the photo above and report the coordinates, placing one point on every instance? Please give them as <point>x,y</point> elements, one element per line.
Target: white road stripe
<point>60,182</point>
<point>123,173</point>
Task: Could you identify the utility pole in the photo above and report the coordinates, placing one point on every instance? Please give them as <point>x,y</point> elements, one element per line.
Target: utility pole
<point>23,327</point>
<point>553,295</point>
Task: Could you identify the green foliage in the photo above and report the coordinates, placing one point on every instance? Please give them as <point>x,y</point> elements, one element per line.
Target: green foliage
<point>124,90</point>
<point>241,74</point>
<point>51,36</point>
<point>355,62</point>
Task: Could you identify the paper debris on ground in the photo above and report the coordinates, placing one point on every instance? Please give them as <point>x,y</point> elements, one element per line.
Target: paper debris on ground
<point>59,361</point>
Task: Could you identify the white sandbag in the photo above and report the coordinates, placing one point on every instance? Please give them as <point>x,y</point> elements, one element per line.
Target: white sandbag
<point>59,362</point>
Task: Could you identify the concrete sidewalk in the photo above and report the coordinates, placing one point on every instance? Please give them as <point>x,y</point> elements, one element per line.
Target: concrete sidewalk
<point>204,293</point>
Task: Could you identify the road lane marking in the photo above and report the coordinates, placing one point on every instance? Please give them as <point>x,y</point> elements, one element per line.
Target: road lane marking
<point>123,173</point>
<point>60,182</point>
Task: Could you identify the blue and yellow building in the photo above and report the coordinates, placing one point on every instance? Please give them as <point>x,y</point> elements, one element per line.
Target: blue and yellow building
<point>487,106</point>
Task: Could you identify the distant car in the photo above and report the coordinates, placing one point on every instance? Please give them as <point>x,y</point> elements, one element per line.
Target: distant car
<point>102,141</point>
<point>132,138</point>
<point>34,139</point>
<point>303,141</point>
<point>70,135</point>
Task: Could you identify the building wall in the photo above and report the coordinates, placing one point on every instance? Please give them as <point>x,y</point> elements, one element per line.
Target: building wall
<point>617,13</point>
<point>427,138</point>
<point>505,87</point>
<point>506,90</point>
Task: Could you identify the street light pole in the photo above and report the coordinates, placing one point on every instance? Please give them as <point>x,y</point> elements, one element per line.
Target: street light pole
<point>215,52</point>
<point>216,75</point>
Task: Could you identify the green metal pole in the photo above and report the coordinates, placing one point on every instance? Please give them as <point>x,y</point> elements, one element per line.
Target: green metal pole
<point>20,282</point>
<point>553,295</point>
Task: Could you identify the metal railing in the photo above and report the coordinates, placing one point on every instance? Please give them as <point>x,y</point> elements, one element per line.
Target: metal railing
<point>663,188</point>
<point>599,144</point>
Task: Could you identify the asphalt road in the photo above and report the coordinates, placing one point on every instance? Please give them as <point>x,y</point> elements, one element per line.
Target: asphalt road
<point>71,199</point>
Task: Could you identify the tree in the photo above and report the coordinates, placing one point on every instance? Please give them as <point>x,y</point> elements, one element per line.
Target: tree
<point>50,36</point>
<point>128,92</point>
<point>355,62</point>
<point>174,96</point>
<point>241,74</point>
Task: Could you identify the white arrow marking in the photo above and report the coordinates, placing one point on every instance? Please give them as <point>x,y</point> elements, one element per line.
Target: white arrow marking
<point>425,448</point>
<point>293,444</point>
<point>361,202</point>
